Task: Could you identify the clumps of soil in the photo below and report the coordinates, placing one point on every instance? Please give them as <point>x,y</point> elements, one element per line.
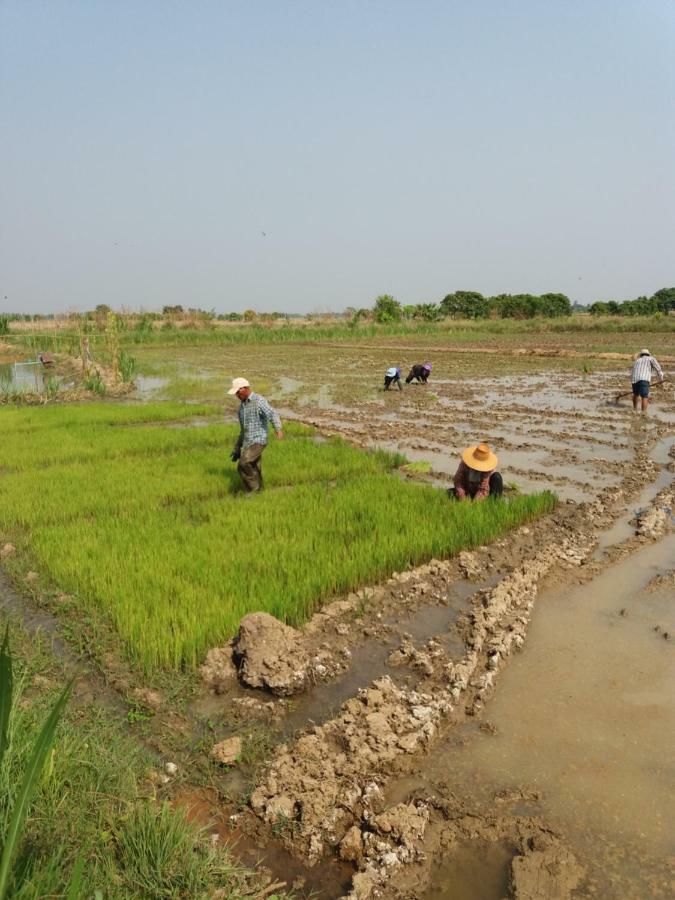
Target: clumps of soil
<point>327,787</point>
<point>330,779</point>
<point>546,869</point>
<point>664,582</point>
<point>468,564</point>
<point>498,622</point>
<point>227,752</point>
<point>657,518</point>
<point>219,672</point>
<point>394,838</point>
<point>147,698</point>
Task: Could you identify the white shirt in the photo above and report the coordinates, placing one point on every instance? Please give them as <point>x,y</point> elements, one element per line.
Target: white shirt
<point>642,369</point>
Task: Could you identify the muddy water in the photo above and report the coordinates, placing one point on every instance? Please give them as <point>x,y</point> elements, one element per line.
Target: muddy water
<point>585,715</point>
<point>369,660</point>
<point>474,872</point>
<point>149,386</point>
<point>33,620</point>
<point>624,528</point>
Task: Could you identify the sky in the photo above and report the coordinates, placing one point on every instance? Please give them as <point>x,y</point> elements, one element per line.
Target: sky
<point>309,155</point>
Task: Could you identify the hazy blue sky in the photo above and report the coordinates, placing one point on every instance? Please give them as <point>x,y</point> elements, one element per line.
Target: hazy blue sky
<point>412,148</point>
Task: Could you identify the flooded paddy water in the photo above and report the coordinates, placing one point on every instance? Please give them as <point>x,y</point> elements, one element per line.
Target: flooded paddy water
<point>584,721</point>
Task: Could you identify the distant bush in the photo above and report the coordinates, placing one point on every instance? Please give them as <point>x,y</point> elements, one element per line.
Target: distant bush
<point>663,301</point>
<point>472,305</point>
<point>387,309</point>
<point>4,324</point>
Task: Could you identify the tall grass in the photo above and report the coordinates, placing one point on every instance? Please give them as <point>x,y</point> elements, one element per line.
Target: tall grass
<point>149,524</point>
<point>455,330</point>
<point>89,831</point>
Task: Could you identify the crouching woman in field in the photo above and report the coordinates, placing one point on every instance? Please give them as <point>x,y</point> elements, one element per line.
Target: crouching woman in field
<point>420,373</point>
<point>477,478</point>
<point>392,376</point>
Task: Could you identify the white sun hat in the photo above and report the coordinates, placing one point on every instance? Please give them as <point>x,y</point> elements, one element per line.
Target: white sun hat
<point>238,384</point>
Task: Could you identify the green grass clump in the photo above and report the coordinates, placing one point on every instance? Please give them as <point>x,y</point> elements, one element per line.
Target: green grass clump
<point>94,828</point>
<point>148,523</point>
<point>420,467</point>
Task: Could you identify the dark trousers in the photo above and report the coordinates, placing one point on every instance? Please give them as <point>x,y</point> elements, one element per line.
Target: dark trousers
<point>388,379</point>
<point>250,467</point>
<point>496,487</point>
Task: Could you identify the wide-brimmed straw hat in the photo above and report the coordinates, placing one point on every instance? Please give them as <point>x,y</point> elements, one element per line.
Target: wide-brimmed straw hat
<point>480,457</point>
<point>238,384</point>
<point>645,352</point>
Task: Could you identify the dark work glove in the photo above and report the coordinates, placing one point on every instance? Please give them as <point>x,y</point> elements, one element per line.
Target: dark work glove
<point>234,456</point>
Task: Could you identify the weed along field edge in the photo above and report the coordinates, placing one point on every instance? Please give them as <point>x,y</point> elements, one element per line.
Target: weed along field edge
<point>297,672</point>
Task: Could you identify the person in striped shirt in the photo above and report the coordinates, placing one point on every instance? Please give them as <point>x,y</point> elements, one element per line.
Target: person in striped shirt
<point>255,416</point>
<point>641,378</point>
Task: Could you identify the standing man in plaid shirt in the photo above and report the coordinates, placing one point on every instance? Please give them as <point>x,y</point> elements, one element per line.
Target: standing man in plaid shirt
<point>641,378</point>
<point>255,415</point>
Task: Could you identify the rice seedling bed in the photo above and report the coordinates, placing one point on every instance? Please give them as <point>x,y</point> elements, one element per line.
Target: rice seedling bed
<point>147,523</point>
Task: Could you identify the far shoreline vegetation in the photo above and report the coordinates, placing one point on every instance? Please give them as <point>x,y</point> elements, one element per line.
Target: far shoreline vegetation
<point>454,308</point>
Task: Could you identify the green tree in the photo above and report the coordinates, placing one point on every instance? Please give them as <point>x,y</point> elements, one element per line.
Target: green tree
<point>665,299</point>
<point>387,309</point>
<point>555,305</point>
<point>465,305</point>
<point>429,312</point>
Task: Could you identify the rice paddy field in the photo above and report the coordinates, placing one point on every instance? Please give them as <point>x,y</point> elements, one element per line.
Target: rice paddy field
<point>134,523</point>
<point>136,511</point>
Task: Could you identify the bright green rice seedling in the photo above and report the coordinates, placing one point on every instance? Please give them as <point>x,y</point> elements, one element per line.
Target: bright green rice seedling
<point>147,522</point>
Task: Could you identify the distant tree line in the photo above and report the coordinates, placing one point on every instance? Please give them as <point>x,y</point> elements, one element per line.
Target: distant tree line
<point>457,305</point>
<point>472,305</point>
<point>663,301</point>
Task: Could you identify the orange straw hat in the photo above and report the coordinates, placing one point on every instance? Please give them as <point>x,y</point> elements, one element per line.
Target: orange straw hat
<point>480,457</point>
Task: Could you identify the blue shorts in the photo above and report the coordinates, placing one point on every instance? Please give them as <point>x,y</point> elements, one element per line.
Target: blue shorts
<point>641,389</point>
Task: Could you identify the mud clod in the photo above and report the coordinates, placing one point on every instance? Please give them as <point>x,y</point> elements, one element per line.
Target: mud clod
<point>227,752</point>
<point>219,671</point>
<point>270,655</point>
<point>548,872</point>
<point>147,698</point>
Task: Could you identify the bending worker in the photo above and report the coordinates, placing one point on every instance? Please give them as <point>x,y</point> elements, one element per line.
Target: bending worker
<point>419,372</point>
<point>393,374</point>
<point>641,378</point>
<point>255,414</point>
<point>477,478</point>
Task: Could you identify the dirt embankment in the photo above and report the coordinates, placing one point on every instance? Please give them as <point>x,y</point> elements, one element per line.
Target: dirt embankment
<point>326,792</point>
<point>329,786</point>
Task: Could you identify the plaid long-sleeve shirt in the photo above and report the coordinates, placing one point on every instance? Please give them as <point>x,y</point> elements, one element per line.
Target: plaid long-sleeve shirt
<point>255,415</point>
<point>642,369</point>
